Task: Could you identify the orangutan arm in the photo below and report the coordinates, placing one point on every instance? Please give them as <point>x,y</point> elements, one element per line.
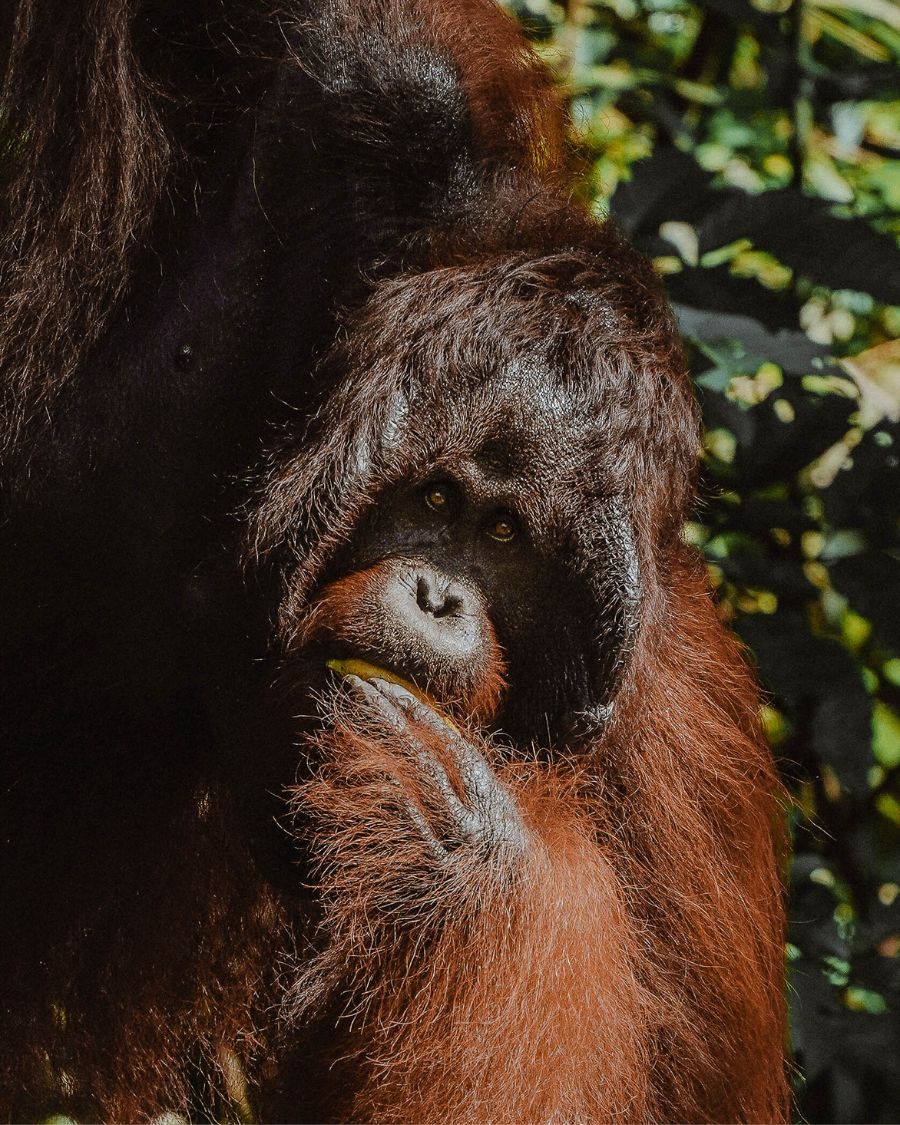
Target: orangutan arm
<point>474,926</point>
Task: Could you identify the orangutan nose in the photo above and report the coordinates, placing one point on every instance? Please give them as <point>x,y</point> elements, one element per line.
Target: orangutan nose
<point>434,618</point>
<point>437,597</point>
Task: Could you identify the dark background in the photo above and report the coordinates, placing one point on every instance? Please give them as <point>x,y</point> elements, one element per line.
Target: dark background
<point>751,150</point>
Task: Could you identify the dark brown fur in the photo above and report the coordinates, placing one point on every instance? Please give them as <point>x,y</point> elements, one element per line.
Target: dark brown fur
<point>84,159</point>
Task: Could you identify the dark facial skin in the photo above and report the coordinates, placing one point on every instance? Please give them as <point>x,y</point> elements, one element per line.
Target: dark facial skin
<point>489,537</point>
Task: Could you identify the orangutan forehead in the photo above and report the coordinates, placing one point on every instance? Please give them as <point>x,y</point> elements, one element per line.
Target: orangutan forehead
<point>521,401</point>
<point>528,447</point>
<point>520,422</point>
<point>528,419</point>
<point>530,388</point>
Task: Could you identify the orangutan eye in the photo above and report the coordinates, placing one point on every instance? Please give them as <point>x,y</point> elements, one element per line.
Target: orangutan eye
<point>502,530</point>
<point>437,498</point>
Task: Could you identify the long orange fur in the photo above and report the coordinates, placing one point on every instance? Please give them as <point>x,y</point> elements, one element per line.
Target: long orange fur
<point>628,968</point>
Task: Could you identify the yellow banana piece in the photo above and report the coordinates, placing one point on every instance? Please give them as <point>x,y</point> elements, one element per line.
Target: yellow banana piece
<point>367,671</point>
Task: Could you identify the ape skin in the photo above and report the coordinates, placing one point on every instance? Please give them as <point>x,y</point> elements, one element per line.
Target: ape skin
<point>535,880</point>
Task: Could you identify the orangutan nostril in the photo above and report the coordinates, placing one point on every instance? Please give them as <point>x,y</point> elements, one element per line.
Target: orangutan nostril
<point>438,599</point>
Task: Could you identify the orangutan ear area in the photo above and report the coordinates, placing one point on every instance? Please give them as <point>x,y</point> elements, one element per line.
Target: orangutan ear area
<point>377,751</point>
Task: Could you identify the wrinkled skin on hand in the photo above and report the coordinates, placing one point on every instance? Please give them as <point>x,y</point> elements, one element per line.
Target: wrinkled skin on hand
<point>482,813</point>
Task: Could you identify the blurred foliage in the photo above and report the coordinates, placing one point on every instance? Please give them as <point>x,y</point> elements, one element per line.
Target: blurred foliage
<point>751,150</point>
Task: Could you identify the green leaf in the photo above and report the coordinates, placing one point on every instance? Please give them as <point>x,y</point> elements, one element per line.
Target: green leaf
<point>886,736</point>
